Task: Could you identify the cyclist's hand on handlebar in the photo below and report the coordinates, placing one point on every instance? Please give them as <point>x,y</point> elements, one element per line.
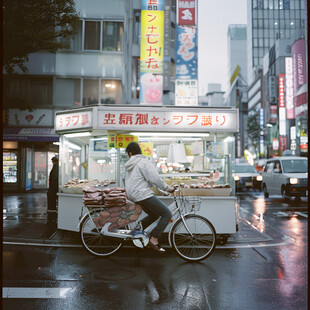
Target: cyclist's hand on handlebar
<point>172,188</point>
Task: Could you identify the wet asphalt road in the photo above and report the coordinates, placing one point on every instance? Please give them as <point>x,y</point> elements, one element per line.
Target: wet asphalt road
<point>268,275</point>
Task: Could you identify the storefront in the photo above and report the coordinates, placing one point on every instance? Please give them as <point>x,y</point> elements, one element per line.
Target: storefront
<point>189,145</point>
<point>27,154</point>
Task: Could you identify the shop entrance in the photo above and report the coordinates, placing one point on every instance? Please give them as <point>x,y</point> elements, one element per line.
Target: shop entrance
<point>42,167</point>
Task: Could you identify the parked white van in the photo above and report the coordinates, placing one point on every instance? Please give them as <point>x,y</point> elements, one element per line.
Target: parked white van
<point>286,176</point>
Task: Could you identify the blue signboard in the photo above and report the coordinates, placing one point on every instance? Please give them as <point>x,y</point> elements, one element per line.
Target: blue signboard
<point>153,5</point>
<point>186,53</point>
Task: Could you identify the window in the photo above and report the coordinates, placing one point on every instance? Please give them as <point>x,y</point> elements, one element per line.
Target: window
<point>111,92</point>
<point>112,36</point>
<point>277,167</point>
<point>270,4</point>
<point>269,167</point>
<point>28,90</point>
<point>295,165</point>
<point>92,36</point>
<point>137,28</point>
<point>255,43</point>
<point>67,92</point>
<point>103,35</point>
<point>90,91</point>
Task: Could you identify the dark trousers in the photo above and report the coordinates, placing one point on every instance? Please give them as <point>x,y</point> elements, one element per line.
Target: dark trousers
<point>154,209</point>
<point>51,200</point>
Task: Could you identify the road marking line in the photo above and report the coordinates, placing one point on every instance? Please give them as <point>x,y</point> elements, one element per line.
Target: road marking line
<point>302,214</point>
<point>36,292</point>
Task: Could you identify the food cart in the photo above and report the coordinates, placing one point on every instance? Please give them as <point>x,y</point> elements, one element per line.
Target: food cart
<point>190,146</point>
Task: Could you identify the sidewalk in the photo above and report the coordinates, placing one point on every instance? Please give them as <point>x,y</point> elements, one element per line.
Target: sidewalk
<point>26,220</point>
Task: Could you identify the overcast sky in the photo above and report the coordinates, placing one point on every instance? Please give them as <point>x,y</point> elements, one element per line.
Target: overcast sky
<point>214,16</point>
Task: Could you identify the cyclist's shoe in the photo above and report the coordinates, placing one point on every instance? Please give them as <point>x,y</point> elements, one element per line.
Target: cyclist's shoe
<point>139,231</point>
<point>157,247</point>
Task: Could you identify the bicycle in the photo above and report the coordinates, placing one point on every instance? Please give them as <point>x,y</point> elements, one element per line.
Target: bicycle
<point>192,236</point>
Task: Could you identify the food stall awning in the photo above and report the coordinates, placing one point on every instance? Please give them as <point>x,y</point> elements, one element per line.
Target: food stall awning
<point>148,118</point>
<point>30,134</point>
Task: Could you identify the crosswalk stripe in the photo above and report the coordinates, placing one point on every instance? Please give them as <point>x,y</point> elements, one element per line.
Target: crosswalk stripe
<point>36,292</point>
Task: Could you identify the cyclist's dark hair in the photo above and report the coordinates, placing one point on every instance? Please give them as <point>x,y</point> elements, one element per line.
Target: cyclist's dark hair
<point>133,148</point>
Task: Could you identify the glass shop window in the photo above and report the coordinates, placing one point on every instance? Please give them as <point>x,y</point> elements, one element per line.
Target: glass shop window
<point>92,35</point>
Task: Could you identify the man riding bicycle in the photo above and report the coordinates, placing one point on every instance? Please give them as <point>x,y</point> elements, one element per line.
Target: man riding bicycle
<point>140,176</point>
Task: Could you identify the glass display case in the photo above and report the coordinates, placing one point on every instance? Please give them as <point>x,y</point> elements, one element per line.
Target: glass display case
<point>10,166</point>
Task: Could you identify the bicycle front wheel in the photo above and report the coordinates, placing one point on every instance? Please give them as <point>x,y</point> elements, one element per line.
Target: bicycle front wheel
<point>193,237</point>
<point>95,242</point>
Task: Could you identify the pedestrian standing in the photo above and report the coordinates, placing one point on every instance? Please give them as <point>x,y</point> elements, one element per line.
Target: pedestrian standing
<point>53,186</point>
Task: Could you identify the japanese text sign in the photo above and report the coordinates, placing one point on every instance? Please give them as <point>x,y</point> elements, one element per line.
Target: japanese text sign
<point>111,139</point>
<point>168,120</point>
<point>186,92</point>
<point>186,53</point>
<point>78,120</point>
<point>152,41</point>
<point>186,12</point>
<point>122,141</point>
<point>146,148</point>
<point>289,88</point>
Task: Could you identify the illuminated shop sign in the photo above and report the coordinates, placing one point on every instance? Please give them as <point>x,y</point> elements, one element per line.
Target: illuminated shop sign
<point>281,91</point>
<point>186,92</point>
<point>186,12</point>
<point>152,52</point>
<point>282,116</point>
<point>79,120</point>
<point>168,120</point>
<point>289,88</point>
<point>186,53</point>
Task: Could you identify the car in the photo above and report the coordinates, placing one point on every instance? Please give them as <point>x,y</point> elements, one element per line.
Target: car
<point>286,176</point>
<point>246,177</point>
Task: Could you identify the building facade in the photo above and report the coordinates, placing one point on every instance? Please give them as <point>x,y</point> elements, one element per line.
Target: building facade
<point>236,94</point>
<point>269,20</point>
<point>101,67</point>
<point>273,27</point>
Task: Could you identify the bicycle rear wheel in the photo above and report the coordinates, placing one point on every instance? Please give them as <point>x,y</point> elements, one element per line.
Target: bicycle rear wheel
<point>95,242</point>
<point>196,245</point>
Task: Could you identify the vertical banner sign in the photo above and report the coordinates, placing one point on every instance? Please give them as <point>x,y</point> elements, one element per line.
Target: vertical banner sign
<point>167,45</point>
<point>282,116</point>
<point>186,56</point>
<point>299,77</point>
<point>186,13</point>
<point>289,88</point>
<point>152,52</point>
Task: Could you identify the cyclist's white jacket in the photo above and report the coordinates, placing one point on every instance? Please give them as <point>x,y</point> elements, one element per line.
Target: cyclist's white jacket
<point>140,176</point>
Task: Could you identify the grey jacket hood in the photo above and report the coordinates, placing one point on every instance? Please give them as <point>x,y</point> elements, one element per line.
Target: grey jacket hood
<point>131,163</point>
<point>140,176</point>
